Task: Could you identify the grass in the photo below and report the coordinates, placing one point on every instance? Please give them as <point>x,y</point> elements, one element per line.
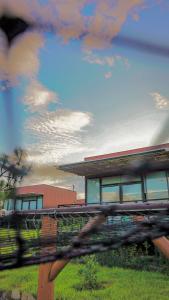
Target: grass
<point>8,236</point>
<point>117,284</point>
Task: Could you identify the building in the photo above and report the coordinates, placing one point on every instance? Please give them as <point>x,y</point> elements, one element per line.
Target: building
<point>41,196</point>
<point>102,187</point>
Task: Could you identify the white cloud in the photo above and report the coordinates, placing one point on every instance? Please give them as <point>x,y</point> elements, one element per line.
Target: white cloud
<point>38,97</point>
<point>109,61</point>
<point>18,7</point>
<point>92,58</point>
<point>57,134</point>
<point>161,102</point>
<point>62,121</point>
<point>22,59</point>
<point>96,31</point>
<point>105,61</point>
<point>68,18</point>
<point>142,130</point>
<point>108,75</point>
<point>108,20</point>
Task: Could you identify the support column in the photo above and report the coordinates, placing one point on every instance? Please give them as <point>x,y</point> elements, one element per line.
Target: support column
<point>46,287</point>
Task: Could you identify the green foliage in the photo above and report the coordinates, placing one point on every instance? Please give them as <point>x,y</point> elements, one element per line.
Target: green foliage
<point>5,192</point>
<point>134,257</point>
<point>12,170</point>
<point>88,273</point>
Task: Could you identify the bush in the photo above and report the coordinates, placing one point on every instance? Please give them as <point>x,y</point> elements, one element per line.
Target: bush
<point>139,257</point>
<point>88,273</point>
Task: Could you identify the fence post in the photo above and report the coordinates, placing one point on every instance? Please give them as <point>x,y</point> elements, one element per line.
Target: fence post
<point>162,244</point>
<point>46,287</point>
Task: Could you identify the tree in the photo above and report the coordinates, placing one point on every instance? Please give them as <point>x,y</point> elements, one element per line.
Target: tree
<point>12,170</point>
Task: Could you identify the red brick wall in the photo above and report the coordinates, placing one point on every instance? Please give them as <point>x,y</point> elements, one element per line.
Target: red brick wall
<point>52,196</point>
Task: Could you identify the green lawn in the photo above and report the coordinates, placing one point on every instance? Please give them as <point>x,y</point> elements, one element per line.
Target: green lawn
<point>118,284</point>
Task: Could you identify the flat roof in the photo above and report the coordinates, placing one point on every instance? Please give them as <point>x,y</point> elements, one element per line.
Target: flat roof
<point>115,165</point>
<point>129,152</point>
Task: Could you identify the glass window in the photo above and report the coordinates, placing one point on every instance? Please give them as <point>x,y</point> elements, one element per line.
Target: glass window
<point>157,185</point>
<point>39,204</point>
<point>25,205</point>
<point>6,204</point>
<point>93,191</point>
<point>111,193</point>
<point>32,205</point>
<point>111,180</point>
<point>18,204</point>
<point>132,192</point>
<point>10,204</point>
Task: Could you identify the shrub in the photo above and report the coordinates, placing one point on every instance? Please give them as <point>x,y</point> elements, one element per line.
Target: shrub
<point>140,257</point>
<point>88,273</point>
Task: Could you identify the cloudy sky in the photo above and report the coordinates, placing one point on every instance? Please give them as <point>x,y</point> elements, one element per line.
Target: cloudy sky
<point>75,91</point>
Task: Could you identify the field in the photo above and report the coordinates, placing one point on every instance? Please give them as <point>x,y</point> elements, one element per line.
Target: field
<point>117,284</point>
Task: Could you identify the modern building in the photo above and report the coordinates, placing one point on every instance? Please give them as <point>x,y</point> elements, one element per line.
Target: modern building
<point>103,187</point>
<point>41,196</point>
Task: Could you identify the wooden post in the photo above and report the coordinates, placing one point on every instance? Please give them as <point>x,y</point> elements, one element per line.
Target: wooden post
<point>163,245</point>
<point>46,287</point>
<point>49,271</point>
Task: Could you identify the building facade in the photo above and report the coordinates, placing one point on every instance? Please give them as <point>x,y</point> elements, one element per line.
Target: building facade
<point>40,196</point>
<point>102,187</point>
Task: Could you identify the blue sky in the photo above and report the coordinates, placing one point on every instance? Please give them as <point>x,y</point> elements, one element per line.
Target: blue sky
<point>72,99</point>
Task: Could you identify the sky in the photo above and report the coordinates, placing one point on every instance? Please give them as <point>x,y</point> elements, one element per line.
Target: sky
<point>74,92</point>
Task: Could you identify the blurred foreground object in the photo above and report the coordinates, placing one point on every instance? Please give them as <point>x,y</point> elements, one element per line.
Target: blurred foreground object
<point>12,27</point>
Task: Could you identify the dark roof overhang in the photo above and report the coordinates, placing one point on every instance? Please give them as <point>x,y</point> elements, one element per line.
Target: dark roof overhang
<point>158,159</point>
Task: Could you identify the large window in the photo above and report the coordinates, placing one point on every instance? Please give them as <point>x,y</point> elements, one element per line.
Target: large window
<point>9,204</point>
<point>93,191</point>
<point>33,204</point>
<point>110,193</point>
<point>156,184</point>
<point>39,202</point>
<point>29,203</point>
<point>153,186</point>
<point>132,192</point>
<point>25,205</point>
<point>18,204</point>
